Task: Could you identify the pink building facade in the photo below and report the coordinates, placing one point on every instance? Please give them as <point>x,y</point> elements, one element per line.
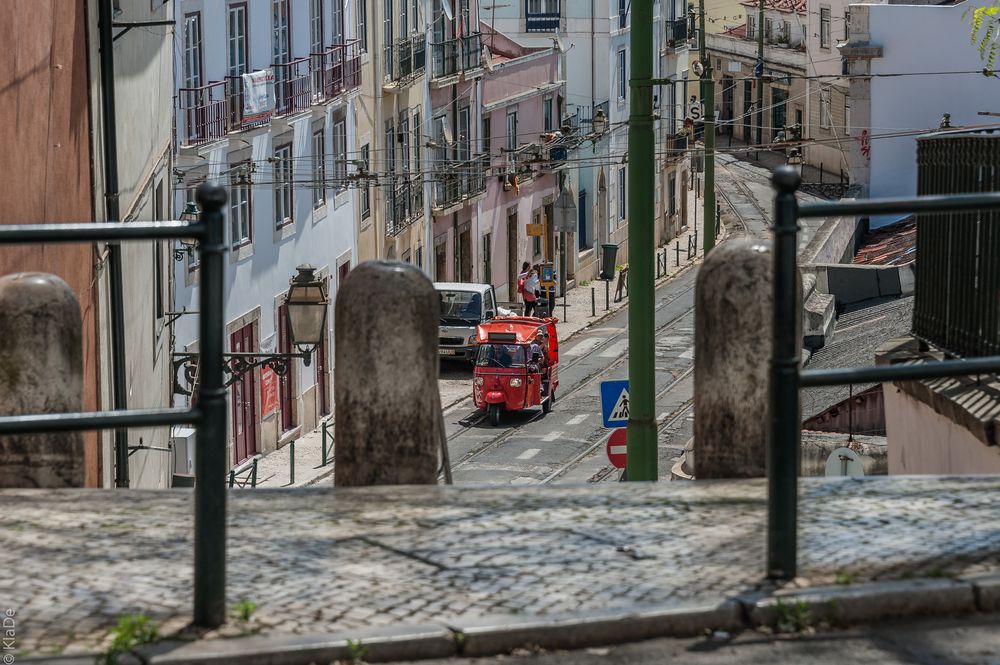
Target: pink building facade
<point>504,175</point>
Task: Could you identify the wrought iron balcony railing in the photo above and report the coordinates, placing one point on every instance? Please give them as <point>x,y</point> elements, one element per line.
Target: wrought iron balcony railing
<point>548,22</point>
<point>405,60</point>
<point>456,55</point>
<point>460,181</point>
<point>336,71</point>
<point>404,205</point>
<point>292,86</point>
<point>676,36</point>
<point>201,113</point>
<point>238,118</point>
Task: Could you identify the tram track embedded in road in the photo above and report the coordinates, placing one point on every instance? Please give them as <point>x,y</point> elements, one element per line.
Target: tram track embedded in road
<point>588,380</point>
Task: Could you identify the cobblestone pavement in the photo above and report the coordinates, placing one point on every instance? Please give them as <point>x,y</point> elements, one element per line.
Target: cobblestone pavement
<point>324,559</point>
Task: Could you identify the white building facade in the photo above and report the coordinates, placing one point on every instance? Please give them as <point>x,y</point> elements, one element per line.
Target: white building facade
<point>287,158</point>
<point>896,95</point>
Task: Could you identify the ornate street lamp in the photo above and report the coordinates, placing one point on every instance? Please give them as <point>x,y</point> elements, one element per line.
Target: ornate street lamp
<point>600,122</point>
<point>306,305</point>
<point>187,246</point>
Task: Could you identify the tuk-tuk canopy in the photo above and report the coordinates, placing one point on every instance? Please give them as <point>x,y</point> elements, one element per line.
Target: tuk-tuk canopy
<point>515,329</point>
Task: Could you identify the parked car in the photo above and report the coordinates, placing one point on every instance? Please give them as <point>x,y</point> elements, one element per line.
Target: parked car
<point>463,307</point>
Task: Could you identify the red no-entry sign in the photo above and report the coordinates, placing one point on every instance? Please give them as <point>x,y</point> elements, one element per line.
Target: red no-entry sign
<point>616,448</point>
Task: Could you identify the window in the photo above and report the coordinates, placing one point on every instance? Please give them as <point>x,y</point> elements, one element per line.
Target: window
<point>541,15</point>
<point>283,185</point>
<point>404,138</point>
<point>362,17</point>
<point>847,25</point>
<point>237,38</point>
<point>824,108</point>
<point>622,80</point>
<point>464,143</point>
<point>390,148</point>
<point>366,192</point>
<point>316,26</point>
<point>337,21</point>
<point>388,48</point>
<point>751,26</point>
<point>623,14</point>
<point>404,21</point>
<point>768,30</point>
<point>416,140</point>
<point>192,51</point>
<point>824,27</point>
<point>279,32</point>
<point>512,129</point>
<point>487,136</point>
<point>339,155</point>
<point>547,114</point>
<point>319,168</point>
<point>672,196</point>
<point>622,186</point>
<point>786,32</point>
<point>239,206</point>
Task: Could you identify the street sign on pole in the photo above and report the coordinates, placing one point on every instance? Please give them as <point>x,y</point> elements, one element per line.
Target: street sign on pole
<point>614,403</point>
<point>617,448</point>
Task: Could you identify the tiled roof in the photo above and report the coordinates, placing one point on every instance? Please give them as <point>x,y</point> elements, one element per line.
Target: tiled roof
<point>797,6</point>
<point>892,245</point>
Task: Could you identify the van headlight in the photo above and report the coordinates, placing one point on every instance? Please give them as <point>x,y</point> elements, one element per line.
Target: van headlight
<point>515,383</point>
<point>472,338</point>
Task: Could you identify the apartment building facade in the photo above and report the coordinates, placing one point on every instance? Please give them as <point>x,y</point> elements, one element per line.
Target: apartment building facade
<point>828,98</point>
<point>266,105</point>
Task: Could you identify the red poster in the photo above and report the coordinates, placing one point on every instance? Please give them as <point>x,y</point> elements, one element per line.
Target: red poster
<point>268,391</point>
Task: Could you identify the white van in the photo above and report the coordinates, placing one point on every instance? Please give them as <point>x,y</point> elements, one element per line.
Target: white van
<point>463,307</point>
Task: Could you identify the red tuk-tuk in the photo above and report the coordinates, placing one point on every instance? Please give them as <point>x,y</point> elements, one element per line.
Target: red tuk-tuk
<point>517,365</point>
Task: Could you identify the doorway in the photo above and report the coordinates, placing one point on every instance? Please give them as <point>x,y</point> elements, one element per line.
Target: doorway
<point>286,397</point>
<point>323,374</point>
<point>728,93</point>
<point>747,109</point>
<point>487,258</point>
<point>465,256</point>
<point>244,404</point>
<point>583,228</point>
<point>441,261</point>
<point>779,99</point>
<point>512,258</point>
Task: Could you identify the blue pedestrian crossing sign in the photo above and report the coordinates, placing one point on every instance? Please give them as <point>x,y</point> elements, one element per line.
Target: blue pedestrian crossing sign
<point>614,403</point>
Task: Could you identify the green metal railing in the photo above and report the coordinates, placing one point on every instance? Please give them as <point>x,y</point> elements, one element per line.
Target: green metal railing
<point>244,476</point>
<point>208,415</point>
<point>786,375</point>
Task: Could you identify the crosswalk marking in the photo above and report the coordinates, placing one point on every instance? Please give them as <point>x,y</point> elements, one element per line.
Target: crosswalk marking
<point>552,436</point>
<point>585,346</point>
<point>615,349</point>
<point>576,420</point>
<point>529,453</point>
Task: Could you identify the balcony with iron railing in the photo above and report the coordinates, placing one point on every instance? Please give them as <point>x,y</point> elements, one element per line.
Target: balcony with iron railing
<point>459,182</point>
<point>202,114</point>
<point>454,57</point>
<point>239,119</point>
<point>336,71</point>
<point>404,61</point>
<point>404,205</point>
<point>676,37</point>
<point>674,148</point>
<point>538,22</point>
<point>292,86</point>
<point>957,293</point>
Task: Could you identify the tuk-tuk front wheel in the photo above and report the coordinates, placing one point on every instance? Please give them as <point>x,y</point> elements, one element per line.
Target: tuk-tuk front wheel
<point>494,411</point>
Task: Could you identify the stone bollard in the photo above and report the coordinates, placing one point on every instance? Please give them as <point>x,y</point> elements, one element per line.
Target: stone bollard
<point>41,371</point>
<point>732,347</point>
<point>388,426</point>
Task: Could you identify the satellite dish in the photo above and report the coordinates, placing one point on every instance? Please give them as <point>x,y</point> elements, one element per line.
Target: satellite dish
<point>845,462</point>
<point>698,68</point>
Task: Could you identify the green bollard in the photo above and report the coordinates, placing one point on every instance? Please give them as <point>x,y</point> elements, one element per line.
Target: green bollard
<point>232,478</point>
<point>323,429</point>
<point>291,463</point>
<point>253,474</point>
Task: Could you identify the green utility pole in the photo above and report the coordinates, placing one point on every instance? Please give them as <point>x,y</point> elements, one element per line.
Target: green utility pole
<point>708,96</point>
<point>641,463</point>
<point>760,74</point>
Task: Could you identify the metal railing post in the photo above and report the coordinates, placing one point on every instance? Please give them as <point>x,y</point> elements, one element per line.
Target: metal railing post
<point>253,473</point>
<point>783,449</point>
<point>209,494</point>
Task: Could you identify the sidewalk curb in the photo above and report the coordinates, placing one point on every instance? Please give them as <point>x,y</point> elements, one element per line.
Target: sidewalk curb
<point>838,605</point>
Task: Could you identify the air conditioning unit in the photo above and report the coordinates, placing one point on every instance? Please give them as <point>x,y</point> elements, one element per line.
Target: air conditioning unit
<point>182,440</point>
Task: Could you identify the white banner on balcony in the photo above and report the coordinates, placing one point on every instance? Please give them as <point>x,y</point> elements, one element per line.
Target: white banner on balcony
<point>258,95</point>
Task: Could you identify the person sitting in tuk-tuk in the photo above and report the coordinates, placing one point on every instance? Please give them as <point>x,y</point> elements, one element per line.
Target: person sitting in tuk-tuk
<point>537,353</point>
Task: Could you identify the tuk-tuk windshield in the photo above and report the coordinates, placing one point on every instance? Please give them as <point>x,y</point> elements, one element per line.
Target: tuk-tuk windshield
<point>460,307</point>
<point>500,355</point>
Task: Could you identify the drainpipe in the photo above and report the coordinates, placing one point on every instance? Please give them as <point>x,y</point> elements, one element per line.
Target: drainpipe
<point>112,212</point>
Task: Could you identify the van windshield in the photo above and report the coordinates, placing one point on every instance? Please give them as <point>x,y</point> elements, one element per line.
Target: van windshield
<point>460,307</point>
<point>500,355</point>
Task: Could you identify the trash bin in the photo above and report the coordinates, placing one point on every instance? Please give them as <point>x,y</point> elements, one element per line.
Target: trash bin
<point>609,253</point>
